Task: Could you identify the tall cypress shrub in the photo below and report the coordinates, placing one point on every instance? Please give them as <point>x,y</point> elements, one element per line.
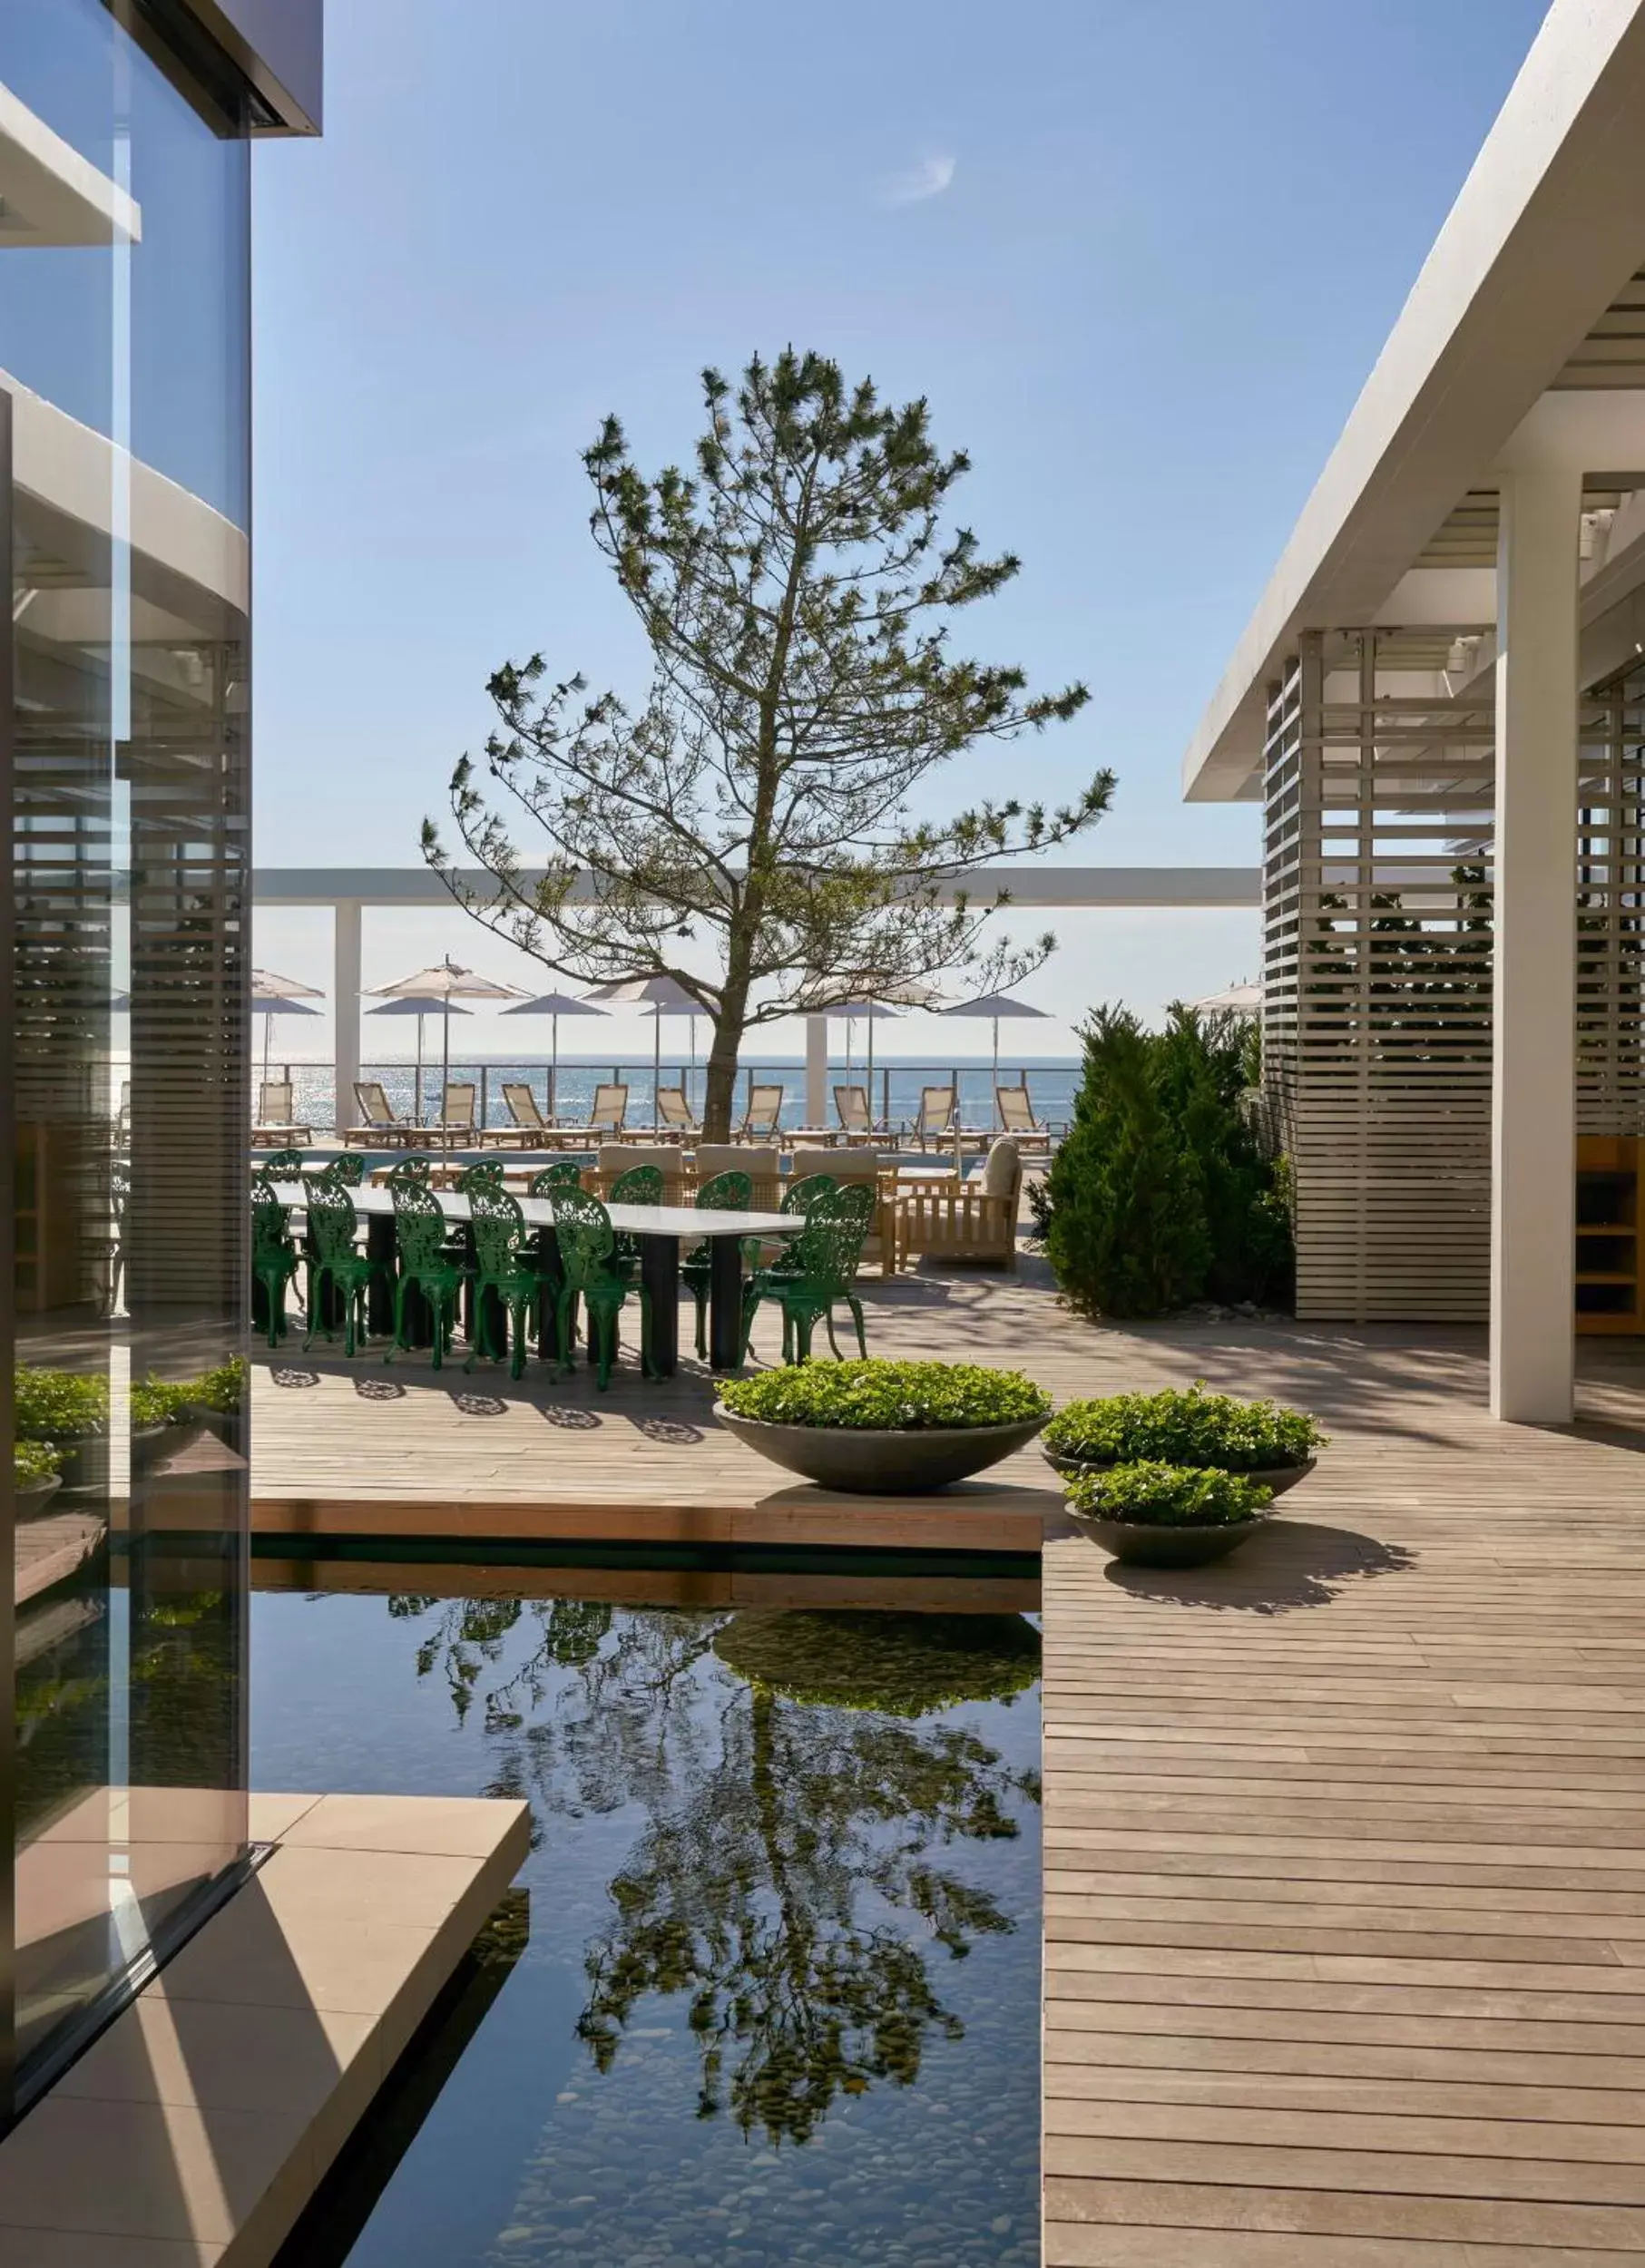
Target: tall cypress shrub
<point>1163,1193</point>
<point>1127,1232</point>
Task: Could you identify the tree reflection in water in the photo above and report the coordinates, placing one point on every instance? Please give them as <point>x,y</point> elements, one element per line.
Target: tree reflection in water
<point>790,1846</point>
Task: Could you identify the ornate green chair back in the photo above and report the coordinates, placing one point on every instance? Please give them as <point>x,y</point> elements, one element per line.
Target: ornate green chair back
<point>411,1168</point>
<point>583,1232</point>
<point>271,1221</point>
<point>726,1193</point>
<point>800,1196</point>
<point>420,1226</point>
<point>282,1165</point>
<point>566,1175</point>
<point>500,1234</point>
<point>830,1247</point>
<point>332,1222</point>
<point>486,1175</point>
<point>640,1185</point>
<point>348,1171</point>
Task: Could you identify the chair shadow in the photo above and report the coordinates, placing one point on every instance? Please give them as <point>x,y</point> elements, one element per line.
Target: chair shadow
<point>473,1405</point>
<point>569,1417</point>
<point>1287,1568</point>
<point>291,1378</point>
<point>674,1433</point>
<point>378,1389</point>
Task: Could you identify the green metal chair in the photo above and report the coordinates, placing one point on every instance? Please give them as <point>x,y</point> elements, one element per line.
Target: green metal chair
<point>640,1185</point>
<point>725,1193</point>
<point>506,1263</point>
<point>567,1173</point>
<point>335,1259</point>
<point>420,1229</point>
<point>411,1167</point>
<point>486,1175</point>
<point>589,1270</point>
<point>800,1196</point>
<point>275,1259</point>
<point>820,1272</point>
<point>281,1165</point>
<point>348,1171</point>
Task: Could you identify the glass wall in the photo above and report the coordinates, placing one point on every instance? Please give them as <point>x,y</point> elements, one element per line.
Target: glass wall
<point>124,327</point>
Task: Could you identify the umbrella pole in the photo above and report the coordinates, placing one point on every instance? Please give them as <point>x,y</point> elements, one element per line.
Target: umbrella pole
<point>417,1100</point>
<point>554,1063</point>
<point>997,1068</point>
<point>657,1072</point>
<point>268,1028</point>
<point>871,1061</point>
<point>445,1054</point>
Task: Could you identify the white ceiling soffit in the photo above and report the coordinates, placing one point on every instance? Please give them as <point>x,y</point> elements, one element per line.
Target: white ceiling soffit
<point>71,470</point>
<point>50,194</point>
<point>1546,232</point>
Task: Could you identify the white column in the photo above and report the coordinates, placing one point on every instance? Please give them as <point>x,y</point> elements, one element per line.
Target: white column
<point>346,1006</point>
<point>1534,1068</point>
<point>816,1070</point>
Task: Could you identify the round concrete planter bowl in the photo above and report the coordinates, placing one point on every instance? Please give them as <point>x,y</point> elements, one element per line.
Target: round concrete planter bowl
<point>862,1464</point>
<point>1135,1544</point>
<point>1275,1479</point>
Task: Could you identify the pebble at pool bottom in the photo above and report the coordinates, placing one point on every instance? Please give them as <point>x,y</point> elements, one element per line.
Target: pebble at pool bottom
<point>780,2000</point>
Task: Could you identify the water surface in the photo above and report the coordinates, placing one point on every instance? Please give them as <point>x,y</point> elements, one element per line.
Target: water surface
<point>779,1997</point>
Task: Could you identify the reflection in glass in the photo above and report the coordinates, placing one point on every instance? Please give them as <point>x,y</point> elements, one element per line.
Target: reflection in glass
<point>124,320</point>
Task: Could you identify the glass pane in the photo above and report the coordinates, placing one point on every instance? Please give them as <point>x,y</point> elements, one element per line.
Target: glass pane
<point>123,326</point>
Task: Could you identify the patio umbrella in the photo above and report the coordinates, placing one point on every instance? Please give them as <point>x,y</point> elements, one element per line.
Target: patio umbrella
<point>419,1007</point>
<point>445,982</point>
<point>555,1005</point>
<point>1245,996</point>
<point>274,996</point>
<point>663,996</point>
<point>996,1006</point>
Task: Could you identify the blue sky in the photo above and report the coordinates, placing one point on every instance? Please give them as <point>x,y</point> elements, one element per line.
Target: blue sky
<point>1138,254</point>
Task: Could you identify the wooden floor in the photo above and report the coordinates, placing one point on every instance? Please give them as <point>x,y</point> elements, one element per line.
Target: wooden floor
<point>1345,1959</point>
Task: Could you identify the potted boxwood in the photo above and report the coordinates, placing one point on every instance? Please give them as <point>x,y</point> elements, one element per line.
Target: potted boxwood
<point>36,1475</point>
<point>71,1412</point>
<point>1150,1514</point>
<point>879,1428</point>
<point>1261,1439</point>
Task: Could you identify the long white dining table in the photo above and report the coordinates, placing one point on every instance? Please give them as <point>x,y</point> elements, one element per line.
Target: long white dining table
<point>660,1230</point>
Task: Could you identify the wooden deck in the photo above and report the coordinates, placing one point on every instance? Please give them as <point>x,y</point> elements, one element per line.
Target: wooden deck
<point>1345,1958</point>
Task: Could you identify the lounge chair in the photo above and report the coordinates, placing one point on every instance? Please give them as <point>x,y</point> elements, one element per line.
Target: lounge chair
<point>763,1116</point>
<point>936,1118</point>
<point>856,1121</point>
<point>275,1127</point>
<point>527,1128</point>
<point>455,1122</point>
<point>379,1128</point>
<point>1017,1119</point>
<point>674,1114</point>
<point>974,1221</point>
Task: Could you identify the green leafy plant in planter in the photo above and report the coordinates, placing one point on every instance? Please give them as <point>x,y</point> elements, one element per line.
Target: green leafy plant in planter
<point>1179,1427</point>
<point>1152,1514</point>
<point>877,1428</point>
<point>59,1405</point>
<point>34,1463</point>
<point>222,1390</point>
<point>157,1402</point>
<point>878,1396</point>
<point>1152,1494</point>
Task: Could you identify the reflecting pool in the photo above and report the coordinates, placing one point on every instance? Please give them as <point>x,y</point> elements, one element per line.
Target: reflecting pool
<point>779,1999</point>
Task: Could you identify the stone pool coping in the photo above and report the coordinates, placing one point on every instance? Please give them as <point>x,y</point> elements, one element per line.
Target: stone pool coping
<point>194,2132</point>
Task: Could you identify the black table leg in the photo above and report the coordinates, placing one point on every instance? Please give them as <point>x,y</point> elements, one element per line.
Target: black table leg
<point>379,1292</point>
<point>725,1303</point>
<point>659,1271</point>
<point>548,1263</point>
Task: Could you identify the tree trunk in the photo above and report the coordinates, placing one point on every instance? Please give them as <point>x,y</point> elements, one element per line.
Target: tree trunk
<point>719,1099</point>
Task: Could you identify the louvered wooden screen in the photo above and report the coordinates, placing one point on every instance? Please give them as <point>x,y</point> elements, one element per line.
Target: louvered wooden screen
<point>1378,907</point>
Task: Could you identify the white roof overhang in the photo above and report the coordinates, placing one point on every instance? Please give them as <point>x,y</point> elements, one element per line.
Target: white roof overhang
<point>1531,287</point>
